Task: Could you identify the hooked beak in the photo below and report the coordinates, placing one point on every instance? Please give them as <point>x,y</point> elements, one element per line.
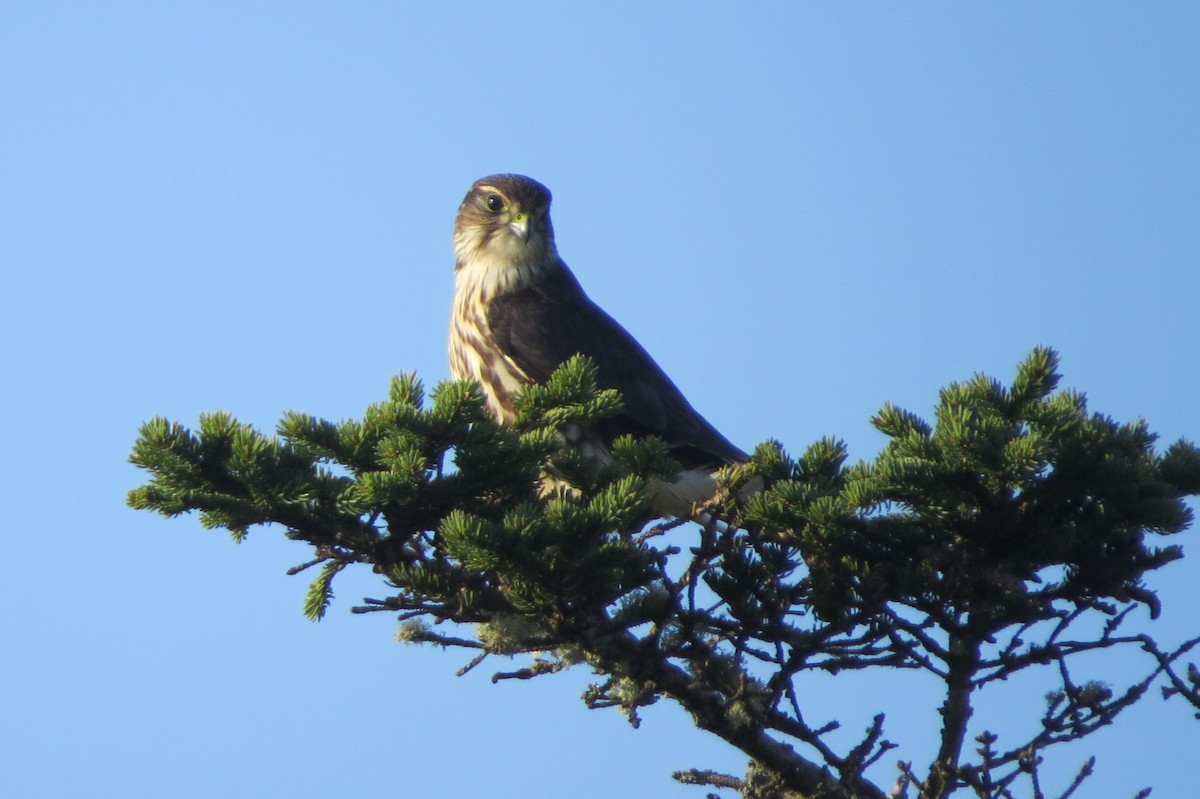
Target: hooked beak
<point>520,226</point>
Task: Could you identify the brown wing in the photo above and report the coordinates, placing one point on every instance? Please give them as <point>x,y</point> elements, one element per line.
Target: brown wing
<point>542,326</point>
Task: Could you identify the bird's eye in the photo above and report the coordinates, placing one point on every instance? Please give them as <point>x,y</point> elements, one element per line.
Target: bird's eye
<point>495,203</point>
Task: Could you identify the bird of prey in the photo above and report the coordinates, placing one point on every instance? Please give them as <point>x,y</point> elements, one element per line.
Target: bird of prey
<point>519,313</point>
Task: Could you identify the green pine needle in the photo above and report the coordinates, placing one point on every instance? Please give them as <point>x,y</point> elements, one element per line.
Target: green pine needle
<point>320,591</point>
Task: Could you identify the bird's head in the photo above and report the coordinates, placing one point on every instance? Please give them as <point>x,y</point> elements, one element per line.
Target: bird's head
<point>502,236</point>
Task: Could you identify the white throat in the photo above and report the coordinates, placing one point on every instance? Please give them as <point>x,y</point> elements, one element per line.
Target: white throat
<point>502,264</point>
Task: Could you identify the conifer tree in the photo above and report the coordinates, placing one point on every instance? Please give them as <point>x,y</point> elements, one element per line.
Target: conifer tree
<point>1016,532</point>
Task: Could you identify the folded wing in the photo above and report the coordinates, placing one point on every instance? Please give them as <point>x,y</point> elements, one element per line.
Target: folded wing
<point>542,326</point>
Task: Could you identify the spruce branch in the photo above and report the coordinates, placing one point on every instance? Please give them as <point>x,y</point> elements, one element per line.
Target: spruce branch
<point>1012,533</point>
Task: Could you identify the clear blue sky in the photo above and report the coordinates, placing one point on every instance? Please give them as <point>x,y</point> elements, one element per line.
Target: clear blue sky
<point>802,210</point>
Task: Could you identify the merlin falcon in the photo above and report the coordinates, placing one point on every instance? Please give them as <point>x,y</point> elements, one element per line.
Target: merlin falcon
<point>519,313</point>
